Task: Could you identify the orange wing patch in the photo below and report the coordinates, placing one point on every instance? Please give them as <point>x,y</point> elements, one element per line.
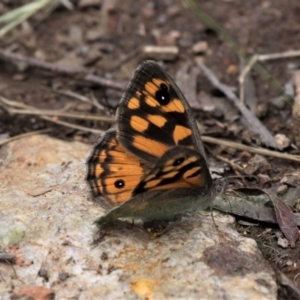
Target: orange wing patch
<point>150,90</point>
<point>175,105</point>
<point>139,124</point>
<point>157,120</point>
<point>180,133</point>
<point>150,101</point>
<point>149,146</point>
<point>133,103</point>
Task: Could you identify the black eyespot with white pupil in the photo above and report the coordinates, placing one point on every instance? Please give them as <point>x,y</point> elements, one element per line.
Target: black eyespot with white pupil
<point>162,95</point>
<point>119,184</point>
<point>178,161</point>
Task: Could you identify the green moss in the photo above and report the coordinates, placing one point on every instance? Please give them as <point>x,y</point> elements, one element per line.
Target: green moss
<point>12,235</point>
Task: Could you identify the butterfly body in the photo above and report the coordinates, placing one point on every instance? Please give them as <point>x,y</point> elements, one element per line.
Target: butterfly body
<point>153,165</point>
<point>158,205</point>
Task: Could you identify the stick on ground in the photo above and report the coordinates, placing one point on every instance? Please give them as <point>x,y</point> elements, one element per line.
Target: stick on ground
<point>252,122</point>
<point>56,68</point>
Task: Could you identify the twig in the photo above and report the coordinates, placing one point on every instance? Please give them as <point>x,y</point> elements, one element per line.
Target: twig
<point>285,281</point>
<point>252,122</point>
<point>56,68</point>
<point>70,125</point>
<point>287,54</point>
<point>247,92</point>
<point>206,139</point>
<point>23,135</point>
<point>55,113</point>
<point>230,163</point>
<point>29,110</point>
<point>126,58</point>
<point>82,98</point>
<point>262,151</point>
<point>264,57</point>
<point>67,124</point>
<point>296,109</point>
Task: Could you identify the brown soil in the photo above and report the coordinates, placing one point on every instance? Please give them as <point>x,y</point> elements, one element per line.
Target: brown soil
<point>105,40</point>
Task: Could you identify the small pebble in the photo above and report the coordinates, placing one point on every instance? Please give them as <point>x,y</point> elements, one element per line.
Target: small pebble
<point>63,276</point>
<point>44,274</point>
<point>283,243</point>
<point>174,10</point>
<point>282,140</point>
<point>19,77</point>
<point>264,178</point>
<point>284,179</point>
<point>282,189</point>
<point>261,110</point>
<point>93,35</point>
<point>232,70</point>
<point>200,47</point>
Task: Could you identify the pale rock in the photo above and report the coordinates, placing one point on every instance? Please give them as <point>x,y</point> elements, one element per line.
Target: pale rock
<point>46,222</point>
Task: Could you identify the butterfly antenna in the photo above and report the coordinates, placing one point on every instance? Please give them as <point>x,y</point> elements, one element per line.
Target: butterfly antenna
<point>223,183</point>
<point>212,216</point>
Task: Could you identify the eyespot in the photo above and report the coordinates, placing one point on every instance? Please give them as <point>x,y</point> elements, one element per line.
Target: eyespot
<point>178,161</point>
<point>162,95</point>
<point>119,184</point>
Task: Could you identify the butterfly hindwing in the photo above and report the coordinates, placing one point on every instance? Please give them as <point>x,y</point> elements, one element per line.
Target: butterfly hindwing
<point>179,182</point>
<point>179,167</point>
<point>112,171</point>
<point>154,115</point>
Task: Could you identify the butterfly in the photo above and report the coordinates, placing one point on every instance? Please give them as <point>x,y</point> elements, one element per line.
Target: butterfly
<point>152,164</point>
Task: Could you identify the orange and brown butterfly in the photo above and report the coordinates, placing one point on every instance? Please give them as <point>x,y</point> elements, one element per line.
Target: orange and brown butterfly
<point>152,166</point>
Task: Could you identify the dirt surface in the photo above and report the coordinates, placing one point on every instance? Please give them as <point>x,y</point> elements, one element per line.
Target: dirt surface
<point>106,39</point>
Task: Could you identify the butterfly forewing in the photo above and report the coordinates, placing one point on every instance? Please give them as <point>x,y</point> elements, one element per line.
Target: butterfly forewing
<point>153,115</point>
<point>113,172</point>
